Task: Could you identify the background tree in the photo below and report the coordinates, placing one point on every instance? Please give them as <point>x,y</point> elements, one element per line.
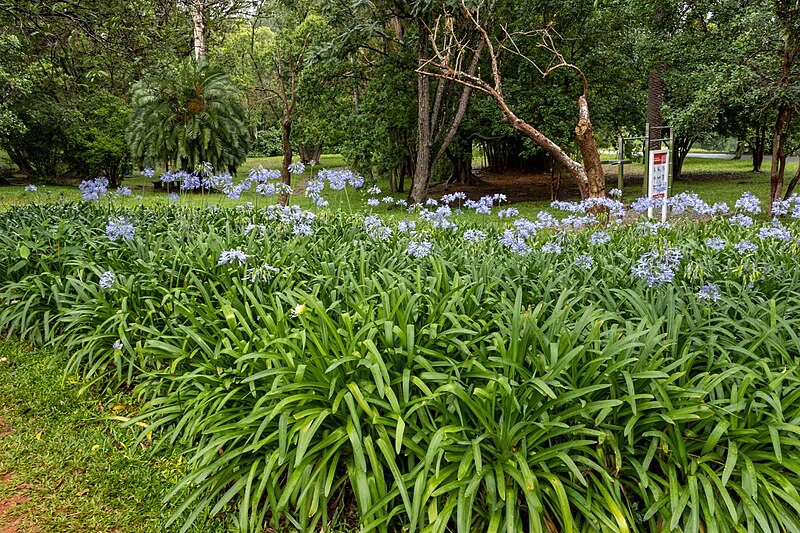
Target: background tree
<point>187,117</point>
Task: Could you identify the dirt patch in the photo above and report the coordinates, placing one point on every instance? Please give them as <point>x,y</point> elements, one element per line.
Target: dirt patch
<point>10,519</point>
<point>524,187</point>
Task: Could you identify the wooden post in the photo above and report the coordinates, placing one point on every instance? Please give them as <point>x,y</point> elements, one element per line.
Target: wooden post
<point>646,154</point>
<point>621,165</point>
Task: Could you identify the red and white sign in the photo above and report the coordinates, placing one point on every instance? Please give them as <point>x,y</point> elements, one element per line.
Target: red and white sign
<point>658,182</point>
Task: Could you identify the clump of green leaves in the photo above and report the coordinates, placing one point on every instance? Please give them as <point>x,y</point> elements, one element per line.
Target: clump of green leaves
<point>469,390</point>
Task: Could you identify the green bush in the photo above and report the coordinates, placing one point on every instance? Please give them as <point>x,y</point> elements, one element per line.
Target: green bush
<point>469,390</point>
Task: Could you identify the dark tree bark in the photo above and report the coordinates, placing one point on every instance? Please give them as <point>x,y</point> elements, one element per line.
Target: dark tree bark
<point>310,153</point>
<point>435,123</point>
<point>656,89</point>
<point>778,169</point>
<point>679,153</point>
<point>792,184</point>
<point>286,148</point>
<point>759,146</point>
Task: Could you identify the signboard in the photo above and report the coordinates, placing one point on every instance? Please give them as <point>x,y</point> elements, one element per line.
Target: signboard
<point>658,182</point>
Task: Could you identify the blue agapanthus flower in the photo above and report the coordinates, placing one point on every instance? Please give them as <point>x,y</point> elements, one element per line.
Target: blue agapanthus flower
<point>420,248</point>
<point>107,280</point>
<point>232,256</point>
<point>657,267</point>
<point>715,243</point>
<point>584,261</point>
<point>120,228</point>
<point>709,291</point>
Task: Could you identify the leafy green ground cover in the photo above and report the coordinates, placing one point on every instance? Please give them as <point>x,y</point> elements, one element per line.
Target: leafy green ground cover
<point>613,378</point>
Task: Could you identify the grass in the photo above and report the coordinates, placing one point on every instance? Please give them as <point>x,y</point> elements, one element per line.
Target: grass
<point>75,466</point>
<point>711,190</point>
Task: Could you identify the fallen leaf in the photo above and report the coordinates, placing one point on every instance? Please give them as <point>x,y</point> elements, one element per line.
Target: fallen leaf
<point>58,483</point>
<point>119,407</point>
<point>83,492</point>
<point>95,447</point>
<point>39,432</point>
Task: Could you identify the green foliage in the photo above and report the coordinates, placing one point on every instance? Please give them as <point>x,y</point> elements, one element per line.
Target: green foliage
<point>187,117</point>
<point>471,390</point>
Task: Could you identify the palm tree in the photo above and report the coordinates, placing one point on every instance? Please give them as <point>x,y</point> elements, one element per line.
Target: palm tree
<point>188,117</point>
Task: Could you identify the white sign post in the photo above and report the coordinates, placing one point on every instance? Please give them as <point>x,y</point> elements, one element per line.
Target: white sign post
<point>658,180</point>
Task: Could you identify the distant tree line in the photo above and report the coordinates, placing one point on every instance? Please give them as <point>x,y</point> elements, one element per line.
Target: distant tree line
<point>364,79</point>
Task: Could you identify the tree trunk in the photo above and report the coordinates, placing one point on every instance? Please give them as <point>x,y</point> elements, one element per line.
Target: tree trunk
<point>286,176</point>
<point>199,22</point>
<point>792,184</point>
<point>596,177</point>
<point>422,169</point>
<point>20,160</point>
<point>778,155</point>
<point>656,89</point>
<point>679,153</point>
<point>310,153</point>
<point>758,147</point>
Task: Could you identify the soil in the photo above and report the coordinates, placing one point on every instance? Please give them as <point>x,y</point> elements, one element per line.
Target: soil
<point>12,521</point>
<point>527,187</point>
<point>524,187</point>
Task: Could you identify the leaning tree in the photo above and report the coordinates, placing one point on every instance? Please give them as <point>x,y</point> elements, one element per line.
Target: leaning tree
<point>448,62</point>
<point>188,117</point>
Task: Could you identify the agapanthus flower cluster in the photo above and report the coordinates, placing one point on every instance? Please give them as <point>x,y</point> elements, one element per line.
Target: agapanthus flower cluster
<point>457,196</point>
<point>748,203</point>
<point>297,168</point>
<point>263,175</point>
<point>93,190</point>
<point>745,246</point>
<point>552,247</point>
<point>191,182</point>
<point>709,291</point>
<point>233,256</point>
<point>406,225</point>
<point>715,243</point>
<point>147,172</point>
<point>508,212</point>
<point>173,197</point>
<point>776,231</point>
<point>514,242</point>
<point>741,220</point>
<point>657,267</point>
<point>419,248</point>
<point>31,188</point>
<point>599,237</point>
<point>474,236</point>
<point>300,220</point>
<point>484,205</point>
<point>375,228</point>
<point>123,191</point>
<point>107,280</point>
<point>584,261</point>
<point>440,218</point>
<point>120,228</point>
<point>641,205</point>
<point>339,178</point>
<point>314,189</point>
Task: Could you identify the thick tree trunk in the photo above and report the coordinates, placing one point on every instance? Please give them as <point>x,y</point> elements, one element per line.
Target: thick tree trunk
<point>20,160</point>
<point>462,168</point>
<point>679,153</point>
<point>595,176</point>
<point>199,23</point>
<point>656,90</point>
<point>286,148</point>
<point>778,155</point>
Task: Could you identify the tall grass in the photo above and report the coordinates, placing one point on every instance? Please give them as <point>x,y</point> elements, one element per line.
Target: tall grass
<point>470,390</point>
